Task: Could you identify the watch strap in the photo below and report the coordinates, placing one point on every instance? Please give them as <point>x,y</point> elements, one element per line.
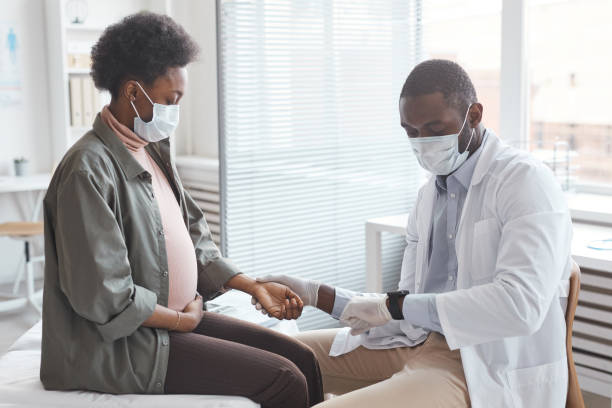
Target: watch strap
<point>394,309</point>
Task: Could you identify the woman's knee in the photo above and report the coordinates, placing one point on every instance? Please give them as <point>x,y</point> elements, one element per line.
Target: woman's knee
<point>318,344</point>
<point>289,388</point>
<point>294,379</point>
<point>304,357</point>
<point>303,351</point>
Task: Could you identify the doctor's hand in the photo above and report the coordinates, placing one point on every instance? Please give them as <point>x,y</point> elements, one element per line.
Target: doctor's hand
<point>362,313</point>
<point>306,289</point>
<point>278,300</point>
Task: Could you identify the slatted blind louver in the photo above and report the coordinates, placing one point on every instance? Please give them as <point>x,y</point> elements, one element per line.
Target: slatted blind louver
<point>592,336</point>
<point>311,145</point>
<point>200,177</point>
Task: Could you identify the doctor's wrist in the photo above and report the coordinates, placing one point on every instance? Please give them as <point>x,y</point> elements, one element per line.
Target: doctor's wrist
<point>326,297</point>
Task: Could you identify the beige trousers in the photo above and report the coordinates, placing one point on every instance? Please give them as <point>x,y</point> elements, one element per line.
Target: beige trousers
<point>428,375</point>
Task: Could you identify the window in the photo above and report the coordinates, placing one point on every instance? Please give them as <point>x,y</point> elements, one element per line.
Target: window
<point>311,144</point>
<point>469,33</point>
<point>569,66</point>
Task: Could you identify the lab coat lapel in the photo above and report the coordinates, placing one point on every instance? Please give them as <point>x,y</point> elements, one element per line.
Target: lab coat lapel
<point>489,152</point>
<point>424,220</point>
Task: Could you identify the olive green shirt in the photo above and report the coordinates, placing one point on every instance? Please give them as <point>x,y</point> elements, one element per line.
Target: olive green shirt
<point>106,268</point>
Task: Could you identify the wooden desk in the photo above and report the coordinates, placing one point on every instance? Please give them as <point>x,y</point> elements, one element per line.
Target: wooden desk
<point>15,186</point>
<point>37,183</point>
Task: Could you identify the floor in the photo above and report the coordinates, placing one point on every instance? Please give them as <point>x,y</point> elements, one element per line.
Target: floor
<point>14,324</point>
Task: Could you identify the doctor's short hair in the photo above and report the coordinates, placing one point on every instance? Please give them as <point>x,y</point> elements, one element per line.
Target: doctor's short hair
<point>439,75</point>
<point>142,46</point>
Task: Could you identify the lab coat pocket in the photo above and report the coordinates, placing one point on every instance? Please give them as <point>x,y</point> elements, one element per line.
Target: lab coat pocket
<point>540,386</point>
<point>484,250</point>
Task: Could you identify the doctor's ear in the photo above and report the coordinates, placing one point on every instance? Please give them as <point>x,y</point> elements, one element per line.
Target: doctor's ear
<point>475,115</point>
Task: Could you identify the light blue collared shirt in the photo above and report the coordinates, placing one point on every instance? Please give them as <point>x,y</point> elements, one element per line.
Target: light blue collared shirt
<point>451,191</point>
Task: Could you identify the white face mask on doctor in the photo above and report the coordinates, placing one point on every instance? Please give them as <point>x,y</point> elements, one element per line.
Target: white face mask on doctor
<point>440,154</point>
<point>162,125</point>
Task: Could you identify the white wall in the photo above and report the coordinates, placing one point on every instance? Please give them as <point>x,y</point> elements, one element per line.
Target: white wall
<point>198,131</point>
<point>24,127</point>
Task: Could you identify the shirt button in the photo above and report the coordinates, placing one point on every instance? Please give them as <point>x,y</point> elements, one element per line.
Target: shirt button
<point>165,342</point>
<point>452,195</point>
<point>450,236</point>
<point>158,384</point>
<point>161,232</point>
<point>450,278</point>
<point>165,273</point>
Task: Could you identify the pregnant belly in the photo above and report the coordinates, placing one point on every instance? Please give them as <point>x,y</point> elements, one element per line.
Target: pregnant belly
<point>183,269</point>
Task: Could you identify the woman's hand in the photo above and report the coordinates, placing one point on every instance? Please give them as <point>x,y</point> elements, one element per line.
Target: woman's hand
<point>278,300</point>
<point>166,318</point>
<point>191,315</point>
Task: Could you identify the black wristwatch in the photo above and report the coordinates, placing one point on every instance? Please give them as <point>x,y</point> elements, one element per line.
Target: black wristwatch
<point>394,309</point>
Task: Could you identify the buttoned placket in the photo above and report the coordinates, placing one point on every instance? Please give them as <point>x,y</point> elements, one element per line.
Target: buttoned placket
<point>452,212</point>
<point>162,293</point>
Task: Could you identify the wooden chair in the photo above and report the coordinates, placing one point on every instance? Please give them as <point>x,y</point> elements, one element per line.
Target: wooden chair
<point>24,231</point>
<point>574,395</point>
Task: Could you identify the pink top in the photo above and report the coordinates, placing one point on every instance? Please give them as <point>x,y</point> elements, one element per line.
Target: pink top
<point>182,265</point>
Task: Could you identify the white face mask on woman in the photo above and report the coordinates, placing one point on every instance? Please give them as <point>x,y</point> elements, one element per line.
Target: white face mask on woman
<point>440,154</point>
<point>162,125</point>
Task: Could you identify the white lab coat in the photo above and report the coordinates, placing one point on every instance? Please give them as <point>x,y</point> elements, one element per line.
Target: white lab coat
<point>507,314</point>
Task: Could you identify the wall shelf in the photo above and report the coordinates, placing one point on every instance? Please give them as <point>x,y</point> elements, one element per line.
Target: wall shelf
<point>84,28</point>
<point>78,71</point>
<point>64,38</point>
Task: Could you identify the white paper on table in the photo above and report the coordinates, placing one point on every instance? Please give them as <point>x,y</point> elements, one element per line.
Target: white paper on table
<point>238,304</point>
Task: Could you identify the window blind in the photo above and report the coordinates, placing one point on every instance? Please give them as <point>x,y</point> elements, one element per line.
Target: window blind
<point>311,144</point>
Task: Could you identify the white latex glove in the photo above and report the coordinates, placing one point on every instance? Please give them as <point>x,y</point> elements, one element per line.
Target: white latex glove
<point>307,290</point>
<point>362,313</point>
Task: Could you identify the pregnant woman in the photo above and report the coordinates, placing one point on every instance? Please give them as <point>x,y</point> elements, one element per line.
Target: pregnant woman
<point>129,255</point>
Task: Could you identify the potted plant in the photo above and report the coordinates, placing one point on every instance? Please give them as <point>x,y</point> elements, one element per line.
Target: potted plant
<point>21,166</point>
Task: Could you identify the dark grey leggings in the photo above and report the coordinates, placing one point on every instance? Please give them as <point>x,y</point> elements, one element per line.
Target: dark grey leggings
<point>227,356</point>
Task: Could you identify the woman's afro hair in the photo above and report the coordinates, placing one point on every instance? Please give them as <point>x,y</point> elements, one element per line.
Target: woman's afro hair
<point>142,46</point>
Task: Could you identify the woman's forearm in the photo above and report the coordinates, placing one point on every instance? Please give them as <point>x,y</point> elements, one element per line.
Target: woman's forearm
<point>166,318</point>
<point>242,283</point>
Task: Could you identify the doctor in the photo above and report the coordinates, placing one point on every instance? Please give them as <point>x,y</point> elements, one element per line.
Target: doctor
<point>479,315</point>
